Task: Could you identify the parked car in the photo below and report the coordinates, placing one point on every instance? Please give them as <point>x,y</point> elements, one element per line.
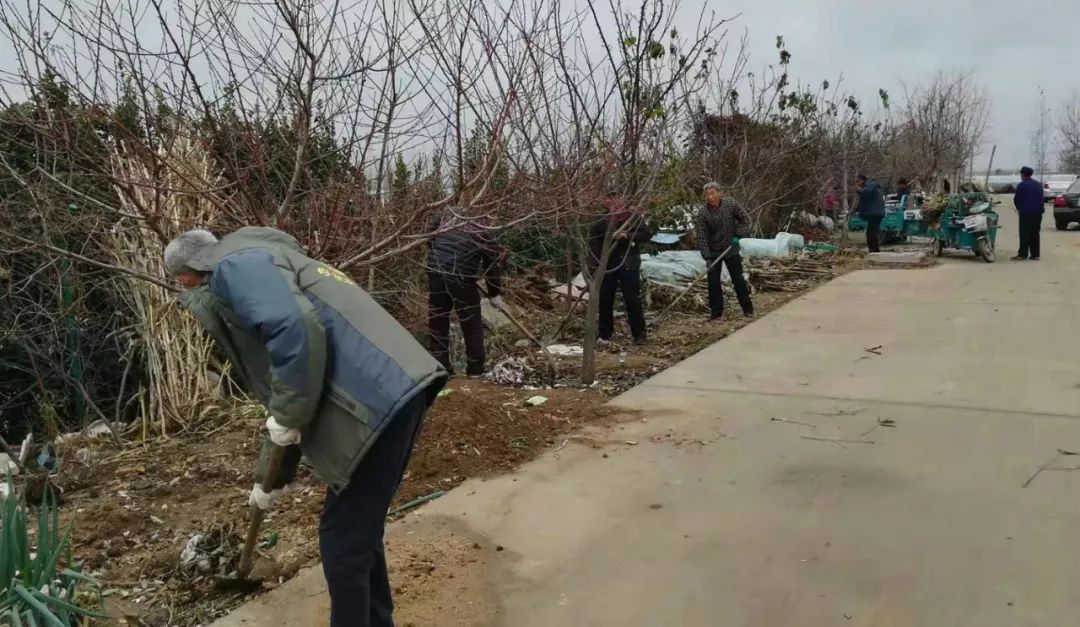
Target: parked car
<point>1067,207</point>
<point>1055,185</point>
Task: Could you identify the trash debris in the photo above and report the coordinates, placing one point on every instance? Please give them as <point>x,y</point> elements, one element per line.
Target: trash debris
<point>444,392</point>
<point>46,459</point>
<point>510,371</point>
<point>8,465</point>
<point>98,429</point>
<point>536,401</point>
<point>191,550</point>
<point>566,350</point>
<point>213,552</point>
<point>269,540</point>
<point>809,219</point>
<point>574,290</point>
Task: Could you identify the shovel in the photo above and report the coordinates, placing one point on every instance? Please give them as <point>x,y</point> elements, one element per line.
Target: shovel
<point>239,579</point>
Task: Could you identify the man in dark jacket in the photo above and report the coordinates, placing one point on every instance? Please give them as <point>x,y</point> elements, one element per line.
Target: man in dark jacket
<point>461,252</point>
<point>872,209</point>
<point>718,225</point>
<point>345,386</point>
<point>629,230</point>
<point>1029,206</point>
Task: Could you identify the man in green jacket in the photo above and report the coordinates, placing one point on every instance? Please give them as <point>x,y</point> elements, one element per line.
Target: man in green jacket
<point>345,385</point>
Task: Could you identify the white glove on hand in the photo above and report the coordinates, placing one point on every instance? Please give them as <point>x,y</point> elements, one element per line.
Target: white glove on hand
<point>497,302</point>
<point>282,436</point>
<point>263,500</point>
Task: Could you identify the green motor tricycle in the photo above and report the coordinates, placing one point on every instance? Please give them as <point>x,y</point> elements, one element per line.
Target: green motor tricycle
<point>964,222</point>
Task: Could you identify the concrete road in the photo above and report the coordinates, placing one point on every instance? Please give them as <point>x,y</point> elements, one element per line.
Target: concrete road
<point>788,476</point>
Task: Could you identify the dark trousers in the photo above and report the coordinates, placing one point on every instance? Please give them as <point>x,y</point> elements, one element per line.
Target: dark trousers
<point>1030,223</point>
<point>873,233</point>
<point>351,529</point>
<point>628,279</point>
<point>445,296</point>
<point>738,281</point>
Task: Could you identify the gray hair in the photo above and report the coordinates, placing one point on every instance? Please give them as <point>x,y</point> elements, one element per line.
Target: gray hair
<point>710,185</point>
<point>190,251</point>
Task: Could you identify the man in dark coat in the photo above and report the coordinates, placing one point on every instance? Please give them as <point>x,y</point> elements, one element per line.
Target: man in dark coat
<point>872,209</point>
<point>629,230</point>
<point>718,225</point>
<point>461,252</point>
<point>1029,205</point>
<point>344,385</point>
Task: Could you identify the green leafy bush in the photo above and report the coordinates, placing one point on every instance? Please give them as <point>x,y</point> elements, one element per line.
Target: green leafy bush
<point>41,587</point>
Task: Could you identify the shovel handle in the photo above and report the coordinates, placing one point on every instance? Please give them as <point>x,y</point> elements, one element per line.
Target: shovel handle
<point>270,477</point>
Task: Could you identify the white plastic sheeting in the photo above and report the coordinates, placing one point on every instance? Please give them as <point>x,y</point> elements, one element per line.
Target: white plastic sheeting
<point>780,246</point>
<point>676,267</point>
<point>672,266</point>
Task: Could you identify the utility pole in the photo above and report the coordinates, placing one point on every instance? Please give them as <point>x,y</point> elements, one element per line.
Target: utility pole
<point>990,168</point>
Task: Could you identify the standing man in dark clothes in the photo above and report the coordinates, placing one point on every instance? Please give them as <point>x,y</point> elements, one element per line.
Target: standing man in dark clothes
<point>871,209</point>
<point>718,225</point>
<point>903,189</point>
<point>1029,204</point>
<point>461,252</point>
<point>630,230</point>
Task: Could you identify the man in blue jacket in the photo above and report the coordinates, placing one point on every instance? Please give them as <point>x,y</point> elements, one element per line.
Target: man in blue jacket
<point>1029,205</point>
<point>871,209</point>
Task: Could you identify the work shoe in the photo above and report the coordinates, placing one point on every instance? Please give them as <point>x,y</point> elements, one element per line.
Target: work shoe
<point>1034,259</point>
<point>748,314</point>
<point>1018,258</point>
<point>641,340</point>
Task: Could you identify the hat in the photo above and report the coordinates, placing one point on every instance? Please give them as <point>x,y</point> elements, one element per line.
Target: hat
<point>1026,171</point>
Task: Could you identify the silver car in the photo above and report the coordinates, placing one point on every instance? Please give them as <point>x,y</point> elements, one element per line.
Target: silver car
<point>1055,185</point>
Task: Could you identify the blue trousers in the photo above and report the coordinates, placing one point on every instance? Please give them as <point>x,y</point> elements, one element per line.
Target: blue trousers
<point>352,524</point>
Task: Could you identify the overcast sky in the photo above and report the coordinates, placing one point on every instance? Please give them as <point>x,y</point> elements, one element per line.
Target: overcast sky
<point>1013,48</point>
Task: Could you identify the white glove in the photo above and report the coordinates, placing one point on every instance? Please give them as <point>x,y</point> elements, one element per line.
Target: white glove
<point>263,500</point>
<point>282,436</point>
<point>497,302</point>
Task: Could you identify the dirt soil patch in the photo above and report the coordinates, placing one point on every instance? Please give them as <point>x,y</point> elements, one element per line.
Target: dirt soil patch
<point>136,511</point>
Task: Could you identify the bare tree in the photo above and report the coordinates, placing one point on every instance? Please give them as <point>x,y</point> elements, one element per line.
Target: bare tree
<point>1041,135</point>
<point>1069,129</point>
<point>942,123</point>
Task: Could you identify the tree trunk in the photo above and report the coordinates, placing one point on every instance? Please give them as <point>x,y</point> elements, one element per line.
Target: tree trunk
<point>592,311</point>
